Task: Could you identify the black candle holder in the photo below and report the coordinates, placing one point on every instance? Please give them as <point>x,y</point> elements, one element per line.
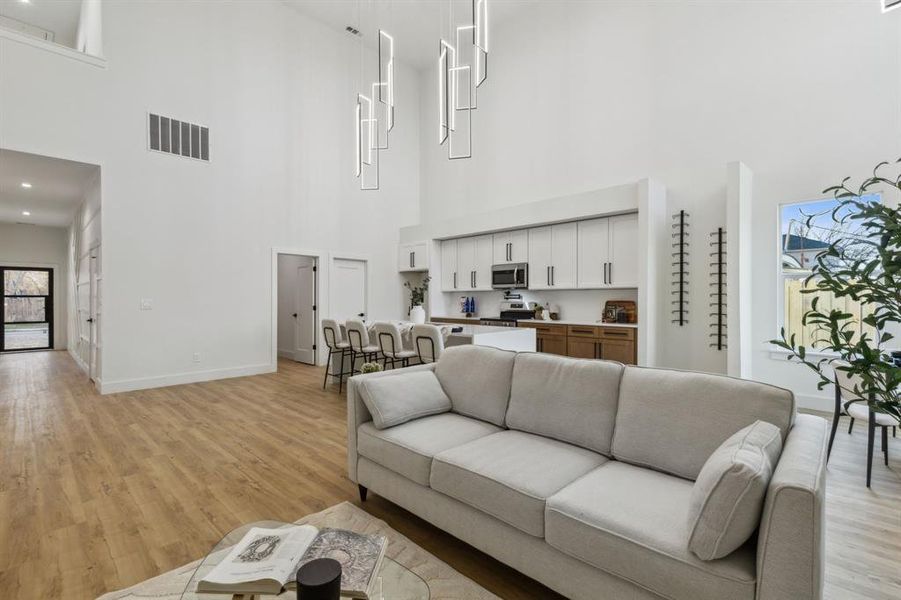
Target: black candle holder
<point>319,579</point>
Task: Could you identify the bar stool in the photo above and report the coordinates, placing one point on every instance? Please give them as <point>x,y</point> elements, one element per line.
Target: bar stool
<point>392,345</point>
<point>331,331</point>
<point>360,345</point>
<point>428,341</point>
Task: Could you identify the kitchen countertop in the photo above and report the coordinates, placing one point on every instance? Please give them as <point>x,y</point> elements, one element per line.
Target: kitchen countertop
<point>564,322</point>
<point>582,323</point>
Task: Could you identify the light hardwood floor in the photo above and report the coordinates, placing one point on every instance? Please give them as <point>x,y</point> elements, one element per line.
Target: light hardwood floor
<point>101,492</point>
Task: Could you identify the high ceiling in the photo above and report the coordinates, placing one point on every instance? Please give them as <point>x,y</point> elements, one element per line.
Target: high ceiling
<point>57,188</point>
<point>416,25</point>
<point>58,16</point>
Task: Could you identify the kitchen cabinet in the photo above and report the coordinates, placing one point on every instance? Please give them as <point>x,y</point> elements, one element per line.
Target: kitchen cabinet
<point>413,257</point>
<point>623,269</point>
<point>608,255</point>
<point>550,338</point>
<point>511,247</point>
<point>449,266</point>
<point>474,260</point>
<point>552,256</point>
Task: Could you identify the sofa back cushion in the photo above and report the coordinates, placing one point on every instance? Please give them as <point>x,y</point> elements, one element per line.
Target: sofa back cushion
<point>477,380</point>
<point>567,399</point>
<point>727,498</point>
<point>403,397</point>
<point>672,421</point>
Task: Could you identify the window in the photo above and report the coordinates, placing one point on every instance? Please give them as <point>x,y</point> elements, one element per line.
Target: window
<point>806,230</point>
<point>27,309</point>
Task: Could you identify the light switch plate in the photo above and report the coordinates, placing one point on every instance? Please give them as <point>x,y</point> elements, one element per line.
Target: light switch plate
<point>146,304</point>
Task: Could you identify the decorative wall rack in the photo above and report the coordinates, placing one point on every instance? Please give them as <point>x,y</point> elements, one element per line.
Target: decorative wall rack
<point>680,268</point>
<point>718,284</point>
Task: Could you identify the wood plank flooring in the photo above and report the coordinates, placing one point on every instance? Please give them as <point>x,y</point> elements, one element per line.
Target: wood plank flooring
<point>101,492</point>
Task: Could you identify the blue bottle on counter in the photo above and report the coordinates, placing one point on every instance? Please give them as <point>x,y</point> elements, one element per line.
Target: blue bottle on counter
<point>472,305</point>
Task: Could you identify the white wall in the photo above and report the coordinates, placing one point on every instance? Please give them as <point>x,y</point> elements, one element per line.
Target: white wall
<point>36,246</point>
<point>584,95</point>
<point>277,90</point>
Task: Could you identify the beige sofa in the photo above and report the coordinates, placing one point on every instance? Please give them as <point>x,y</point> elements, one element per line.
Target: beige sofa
<point>578,474</point>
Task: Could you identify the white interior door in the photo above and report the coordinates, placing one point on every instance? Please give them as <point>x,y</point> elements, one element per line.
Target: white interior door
<point>305,309</point>
<point>348,298</point>
<point>96,279</point>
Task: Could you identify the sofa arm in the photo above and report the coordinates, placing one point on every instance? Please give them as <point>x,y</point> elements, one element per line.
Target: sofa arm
<point>791,542</point>
<point>357,413</point>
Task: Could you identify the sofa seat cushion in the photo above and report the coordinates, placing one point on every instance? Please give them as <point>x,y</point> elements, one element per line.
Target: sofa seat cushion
<point>408,449</point>
<point>510,474</point>
<point>630,521</point>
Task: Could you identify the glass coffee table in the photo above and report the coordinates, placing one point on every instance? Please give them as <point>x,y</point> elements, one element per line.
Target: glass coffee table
<point>395,582</point>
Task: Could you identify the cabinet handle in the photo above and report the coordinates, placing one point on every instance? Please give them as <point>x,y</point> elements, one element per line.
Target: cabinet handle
<point>549,275</point>
<point>510,251</point>
<point>455,280</point>
<point>553,275</point>
<point>472,278</point>
<point>610,271</point>
<point>582,331</point>
<point>412,259</point>
<point>620,333</point>
<point>605,273</point>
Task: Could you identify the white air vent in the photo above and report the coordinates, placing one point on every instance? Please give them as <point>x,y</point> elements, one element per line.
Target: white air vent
<point>172,136</point>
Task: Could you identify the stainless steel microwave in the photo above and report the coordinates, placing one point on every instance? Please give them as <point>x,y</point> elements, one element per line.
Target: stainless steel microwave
<point>513,276</point>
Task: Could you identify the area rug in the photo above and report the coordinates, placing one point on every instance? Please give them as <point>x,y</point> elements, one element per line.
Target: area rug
<point>444,582</point>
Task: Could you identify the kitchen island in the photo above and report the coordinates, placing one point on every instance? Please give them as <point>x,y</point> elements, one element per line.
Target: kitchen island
<point>505,338</point>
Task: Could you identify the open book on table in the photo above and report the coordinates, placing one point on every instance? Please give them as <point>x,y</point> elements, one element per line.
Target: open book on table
<point>266,561</point>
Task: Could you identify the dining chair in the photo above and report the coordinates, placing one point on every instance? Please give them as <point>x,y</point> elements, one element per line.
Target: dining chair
<point>428,341</point>
<point>849,403</point>
<point>392,345</point>
<point>360,344</point>
<point>338,347</point>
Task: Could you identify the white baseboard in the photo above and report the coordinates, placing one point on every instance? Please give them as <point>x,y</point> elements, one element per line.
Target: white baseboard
<point>144,383</point>
<point>285,354</point>
<point>811,402</point>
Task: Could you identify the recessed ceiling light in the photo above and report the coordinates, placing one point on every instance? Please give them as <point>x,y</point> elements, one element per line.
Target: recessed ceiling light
<point>25,184</point>
<point>25,213</point>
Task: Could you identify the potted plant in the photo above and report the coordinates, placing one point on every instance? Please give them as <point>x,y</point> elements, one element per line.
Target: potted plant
<point>417,297</point>
<point>370,367</point>
<point>865,267</point>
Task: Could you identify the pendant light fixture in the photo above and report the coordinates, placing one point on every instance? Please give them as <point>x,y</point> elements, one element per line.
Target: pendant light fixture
<point>374,113</point>
<point>462,69</point>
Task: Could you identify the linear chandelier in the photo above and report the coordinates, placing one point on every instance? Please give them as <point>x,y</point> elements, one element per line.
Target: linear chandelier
<point>462,68</point>
<point>374,116</point>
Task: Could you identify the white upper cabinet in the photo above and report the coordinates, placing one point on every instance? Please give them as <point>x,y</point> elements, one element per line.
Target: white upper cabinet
<point>511,247</point>
<point>449,266</point>
<point>413,257</point>
<point>473,263</point>
<point>564,250</point>
<point>623,269</point>
<point>540,258</point>
<point>608,255</point>
<point>552,257</point>
<point>594,252</point>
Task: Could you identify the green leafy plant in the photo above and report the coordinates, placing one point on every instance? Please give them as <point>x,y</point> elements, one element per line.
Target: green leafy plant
<point>417,292</point>
<point>867,268</point>
<point>370,367</point>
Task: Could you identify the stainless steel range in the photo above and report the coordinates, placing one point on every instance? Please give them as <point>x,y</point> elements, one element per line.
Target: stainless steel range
<point>511,312</point>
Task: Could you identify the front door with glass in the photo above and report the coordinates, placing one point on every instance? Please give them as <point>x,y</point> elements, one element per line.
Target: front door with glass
<point>27,309</point>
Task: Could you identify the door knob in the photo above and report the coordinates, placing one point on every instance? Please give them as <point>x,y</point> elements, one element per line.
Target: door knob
<point>361,314</point>
<point>90,320</point>
<point>294,315</point>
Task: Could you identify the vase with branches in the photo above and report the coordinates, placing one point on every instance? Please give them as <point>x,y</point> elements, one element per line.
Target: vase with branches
<point>866,267</point>
<point>417,297</point>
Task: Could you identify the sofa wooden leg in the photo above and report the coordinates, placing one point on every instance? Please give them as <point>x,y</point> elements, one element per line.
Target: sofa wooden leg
<point>363,492</point>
